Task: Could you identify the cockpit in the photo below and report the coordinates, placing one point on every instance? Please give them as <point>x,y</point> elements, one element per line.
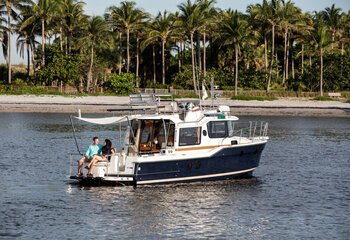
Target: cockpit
<point>149,136</point>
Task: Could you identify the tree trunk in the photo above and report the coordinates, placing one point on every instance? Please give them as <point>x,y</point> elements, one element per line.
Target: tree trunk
<point>43,41</point>
<point>236,73</point>
<point>154,65</point>
<point>265,53</point>
<point>9,65</point>
<point>67,47</point>
<point>28,61</point>
<point>70,43</point>
<point>120,53</point>
<point>163,62</point>
<point>193,65</point>
<point>33,58</point>
<point>342,59</point>
<point>310,61</point>
<point>272,58</point>
<point>127,50</point>
<point>199,55</point>
<point>321,72</point>
<point>284,58</point>
<point>287,62</point>
<point>293,69</point>
<point>90,69</point>
<point>137,62</point>
<point>204,56</point>
<point>302,58</point>
<point>61,39</point>
<point>179,55</point>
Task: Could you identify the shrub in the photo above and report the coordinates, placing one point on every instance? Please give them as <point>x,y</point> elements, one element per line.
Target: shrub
<point>122,83</point>
<point>60,68</point>
<point>249,98</point>
<point>185,95</point>
<point>323,98</point>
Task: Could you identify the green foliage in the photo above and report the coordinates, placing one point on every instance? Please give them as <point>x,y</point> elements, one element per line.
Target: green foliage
<point>323,98</point>
<point>184,78</point>
<point>60,67</point>
<point>23,89</point>
<point>252,79</point>
<point>123,83</point>
<point>3,72</point>
<point>185,95</point>
<point>222,78</point>
<point>250,98</point>
<point>151,84</point>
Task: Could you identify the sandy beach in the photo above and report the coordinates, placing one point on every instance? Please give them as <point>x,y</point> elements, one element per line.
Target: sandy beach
<point>100,104</point>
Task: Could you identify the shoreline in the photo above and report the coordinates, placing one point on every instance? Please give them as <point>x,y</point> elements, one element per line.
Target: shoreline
<point>100,104</point>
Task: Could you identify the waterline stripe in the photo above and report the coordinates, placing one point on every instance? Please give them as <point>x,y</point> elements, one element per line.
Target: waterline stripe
<point>194,177</point>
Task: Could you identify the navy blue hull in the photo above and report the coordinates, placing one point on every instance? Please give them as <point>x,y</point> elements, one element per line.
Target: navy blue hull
<point>228,163</point>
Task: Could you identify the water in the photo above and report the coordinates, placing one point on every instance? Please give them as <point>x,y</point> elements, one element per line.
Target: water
<point>301,189</point>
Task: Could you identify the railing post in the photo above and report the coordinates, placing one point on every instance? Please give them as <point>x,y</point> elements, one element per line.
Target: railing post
<point>240,137</point>
<point>250,129</point>
<point>256,123</point>
<point>70,164</point>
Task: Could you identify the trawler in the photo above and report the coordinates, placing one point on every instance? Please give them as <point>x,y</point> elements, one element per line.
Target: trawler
<point>180,143</point>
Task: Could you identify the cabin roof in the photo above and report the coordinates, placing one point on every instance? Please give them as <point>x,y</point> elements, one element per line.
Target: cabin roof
<point>174,117</point>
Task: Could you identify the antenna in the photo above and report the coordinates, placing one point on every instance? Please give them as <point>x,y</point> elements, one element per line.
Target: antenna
<point>212,92</point>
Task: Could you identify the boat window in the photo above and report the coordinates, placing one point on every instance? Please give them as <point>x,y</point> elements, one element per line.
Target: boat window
<point>146,131</point>
<point>133,131</point>
<point>190,136</point>
<point>231,128</point>
<point>171,133</point>
<point>217,129</point>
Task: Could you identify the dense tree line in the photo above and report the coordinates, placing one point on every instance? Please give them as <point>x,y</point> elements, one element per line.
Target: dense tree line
<point>273,45</point>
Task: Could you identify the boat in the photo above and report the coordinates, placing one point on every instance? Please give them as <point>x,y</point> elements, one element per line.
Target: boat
<point>180,143</point>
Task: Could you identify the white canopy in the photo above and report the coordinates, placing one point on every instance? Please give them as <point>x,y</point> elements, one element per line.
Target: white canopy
<point>108,120</point>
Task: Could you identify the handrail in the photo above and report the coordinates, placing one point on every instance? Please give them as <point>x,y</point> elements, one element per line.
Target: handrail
<point>251,130</point>
<point>75,138</point>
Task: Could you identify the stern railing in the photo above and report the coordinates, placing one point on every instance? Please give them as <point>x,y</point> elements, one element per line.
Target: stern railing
<point>252,130</point>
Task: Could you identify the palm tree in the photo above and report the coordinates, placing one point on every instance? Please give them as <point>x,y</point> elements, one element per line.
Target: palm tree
<point>259,19</point>
<point>191,19</point>
<point>321,39</point>
<point>290,16</point>
<point>3,36</point>
<point>331,16</point>
<point>26,38</point>
<point>96,34</point>
<point>303,35</point>
<point>125,18</point>
<point>234,31</point>
<point>70,15</point>
<point>209,24</point>
<point>45,10</point>
<point>10,8</point>
<point>161,29</point>
<point>268,13</point>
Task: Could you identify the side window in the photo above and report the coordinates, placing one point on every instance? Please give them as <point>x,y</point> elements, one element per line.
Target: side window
<point>217,129</point>
<point>171,133</point>
<point>231,128</point>
<point>190,136</point>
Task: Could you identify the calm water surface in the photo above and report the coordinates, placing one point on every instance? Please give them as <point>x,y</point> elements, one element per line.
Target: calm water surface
<point>301,189</point>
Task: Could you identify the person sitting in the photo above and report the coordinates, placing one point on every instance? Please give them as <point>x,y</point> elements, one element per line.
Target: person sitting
<point>105,155</point>
<point>94,149</point>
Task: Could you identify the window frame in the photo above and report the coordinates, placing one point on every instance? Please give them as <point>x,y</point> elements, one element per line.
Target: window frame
<point>212,134</point>
<point>198,135</point>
